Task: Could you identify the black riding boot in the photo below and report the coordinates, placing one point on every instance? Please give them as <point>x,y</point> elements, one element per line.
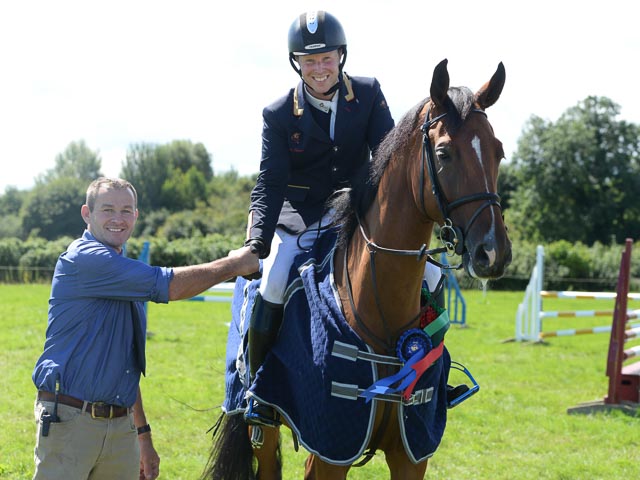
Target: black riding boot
<point>264,326</point>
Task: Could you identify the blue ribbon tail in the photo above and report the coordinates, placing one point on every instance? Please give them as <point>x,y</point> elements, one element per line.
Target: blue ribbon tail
<point>383,386</point>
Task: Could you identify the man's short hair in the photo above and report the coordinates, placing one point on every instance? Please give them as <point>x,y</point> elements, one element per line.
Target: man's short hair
<point>109,184</point>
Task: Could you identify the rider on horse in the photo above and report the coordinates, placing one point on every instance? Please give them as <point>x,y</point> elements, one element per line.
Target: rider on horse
<point>314,140</point>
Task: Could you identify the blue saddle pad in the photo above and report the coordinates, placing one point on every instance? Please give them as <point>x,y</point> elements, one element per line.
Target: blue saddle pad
<point>303,380</point>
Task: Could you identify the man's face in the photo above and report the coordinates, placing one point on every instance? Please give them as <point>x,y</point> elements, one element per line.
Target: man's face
<point>320,71</point>
<point>113,217</point>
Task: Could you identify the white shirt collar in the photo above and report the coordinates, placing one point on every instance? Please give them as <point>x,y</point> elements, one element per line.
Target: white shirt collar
<point>323,105</point>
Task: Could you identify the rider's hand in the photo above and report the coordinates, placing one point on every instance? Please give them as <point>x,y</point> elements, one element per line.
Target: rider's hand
<point>247,263</point>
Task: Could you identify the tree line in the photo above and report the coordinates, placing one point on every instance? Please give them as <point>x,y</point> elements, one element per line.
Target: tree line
<point>178,194</point>
<point>573,183</point>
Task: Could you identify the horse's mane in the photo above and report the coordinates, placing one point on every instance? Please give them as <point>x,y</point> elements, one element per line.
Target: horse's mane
<point>365,183</point>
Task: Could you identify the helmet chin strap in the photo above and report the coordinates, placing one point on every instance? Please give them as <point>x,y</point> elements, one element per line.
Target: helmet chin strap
<point>335,87</point>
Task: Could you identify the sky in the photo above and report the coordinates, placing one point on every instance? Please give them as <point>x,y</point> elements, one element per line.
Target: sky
<point>119,73</point>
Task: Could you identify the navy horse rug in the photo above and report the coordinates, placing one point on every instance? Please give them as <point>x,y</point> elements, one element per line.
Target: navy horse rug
<point>322,377</point>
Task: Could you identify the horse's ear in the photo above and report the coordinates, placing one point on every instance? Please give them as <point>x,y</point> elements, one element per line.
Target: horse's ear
<point>490,92</point>
<point>440,84</point>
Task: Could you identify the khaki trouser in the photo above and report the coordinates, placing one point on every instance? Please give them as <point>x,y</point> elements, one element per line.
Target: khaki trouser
<point>80,447</point>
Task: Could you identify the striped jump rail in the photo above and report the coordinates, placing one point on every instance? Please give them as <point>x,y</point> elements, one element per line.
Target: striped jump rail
<point>632,352</point>
<point>584,331</point>
<point>586,295</point>
<point>586,313</point>
<point>576,313</point>
<point>631,333</point>
<point>530,315</point>
<point>575,331</point>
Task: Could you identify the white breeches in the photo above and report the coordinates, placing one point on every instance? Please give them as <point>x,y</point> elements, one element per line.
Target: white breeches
<point>284,248</point>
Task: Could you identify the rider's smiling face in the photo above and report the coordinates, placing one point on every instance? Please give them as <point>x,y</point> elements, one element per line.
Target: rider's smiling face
<point>320,72</point>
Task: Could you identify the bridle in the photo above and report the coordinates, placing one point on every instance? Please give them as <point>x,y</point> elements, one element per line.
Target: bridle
<point>451,236</point>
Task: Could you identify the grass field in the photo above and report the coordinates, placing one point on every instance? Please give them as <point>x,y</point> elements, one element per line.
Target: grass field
<point>515,428</point>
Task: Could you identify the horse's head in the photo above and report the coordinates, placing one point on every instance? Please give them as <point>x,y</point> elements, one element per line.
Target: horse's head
<point>460,162</point>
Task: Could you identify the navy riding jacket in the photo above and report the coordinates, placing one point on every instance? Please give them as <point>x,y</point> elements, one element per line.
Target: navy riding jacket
<point>301,166</point>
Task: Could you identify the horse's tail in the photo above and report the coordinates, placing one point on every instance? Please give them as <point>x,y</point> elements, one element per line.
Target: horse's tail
<point>231,456</point>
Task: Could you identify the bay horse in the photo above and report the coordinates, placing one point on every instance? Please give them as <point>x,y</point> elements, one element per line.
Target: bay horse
<point>438,166</point>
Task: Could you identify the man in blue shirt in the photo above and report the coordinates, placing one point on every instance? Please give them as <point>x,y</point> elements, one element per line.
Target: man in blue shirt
<point>91,421</point>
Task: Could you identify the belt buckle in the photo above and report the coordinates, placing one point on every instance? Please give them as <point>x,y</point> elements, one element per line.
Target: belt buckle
<point>101,405</point>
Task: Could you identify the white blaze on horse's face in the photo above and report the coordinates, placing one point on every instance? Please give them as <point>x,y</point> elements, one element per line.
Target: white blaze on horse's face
<point>475,144</point>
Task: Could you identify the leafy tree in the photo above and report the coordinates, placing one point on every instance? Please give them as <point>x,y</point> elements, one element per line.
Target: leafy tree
<point>171,176</point>
<point>10,205</point>
<point>577,179</point>
<point>229,198</point>
<point>147,172</point>
<point>77,161</point>
<point>38,262</point>
<point>149,222</point>
<point>11,249</point>
<point>52,209</point>
<point>182,190</point>
<point>184,155</point>
<point>11,201</point>
<point>185,224</point>
<point>10,226</point>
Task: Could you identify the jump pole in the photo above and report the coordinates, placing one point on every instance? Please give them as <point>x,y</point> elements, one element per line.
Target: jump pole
<point>530,313</point>
<point>624,381</point>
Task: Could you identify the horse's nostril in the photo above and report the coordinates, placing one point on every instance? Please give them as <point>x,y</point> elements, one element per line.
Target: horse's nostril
<point>491,257</point>
<point>489,262</point>
<point>484,257</point>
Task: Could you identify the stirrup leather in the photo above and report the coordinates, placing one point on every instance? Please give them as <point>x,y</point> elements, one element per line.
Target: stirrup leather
<point>265,415</point>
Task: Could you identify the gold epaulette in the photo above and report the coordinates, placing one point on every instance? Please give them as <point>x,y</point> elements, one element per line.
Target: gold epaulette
<point>297,111</point>
<point>347,83</point>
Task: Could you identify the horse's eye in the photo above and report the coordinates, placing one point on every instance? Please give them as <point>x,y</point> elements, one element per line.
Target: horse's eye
<point>443,154</point>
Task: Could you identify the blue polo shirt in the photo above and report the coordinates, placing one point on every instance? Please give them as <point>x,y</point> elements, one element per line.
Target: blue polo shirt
<point>89,339</point>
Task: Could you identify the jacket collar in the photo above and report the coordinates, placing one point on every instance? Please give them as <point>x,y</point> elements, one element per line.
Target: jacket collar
<point>299,101</point>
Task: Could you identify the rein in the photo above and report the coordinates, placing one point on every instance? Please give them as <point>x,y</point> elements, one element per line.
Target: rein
<point>451,235</point>
<point>387,345</point>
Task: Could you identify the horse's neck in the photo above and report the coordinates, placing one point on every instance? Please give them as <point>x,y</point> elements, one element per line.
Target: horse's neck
<point>391,288</point>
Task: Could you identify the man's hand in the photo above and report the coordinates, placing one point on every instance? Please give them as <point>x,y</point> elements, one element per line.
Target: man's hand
<point>247,262</point>
<point>149,459</point>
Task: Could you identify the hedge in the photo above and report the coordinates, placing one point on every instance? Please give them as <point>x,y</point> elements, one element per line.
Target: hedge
<point>567,266</point>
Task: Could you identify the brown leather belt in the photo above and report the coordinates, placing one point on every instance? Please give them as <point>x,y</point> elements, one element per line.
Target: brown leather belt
<point>96,409</point>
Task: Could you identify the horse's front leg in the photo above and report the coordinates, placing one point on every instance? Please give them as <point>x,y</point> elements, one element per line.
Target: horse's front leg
<point>401,467</point>
<point>268,455</point>
<point>316,469</point>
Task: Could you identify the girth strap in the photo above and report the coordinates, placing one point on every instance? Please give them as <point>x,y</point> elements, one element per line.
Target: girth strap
<point>350,391</point>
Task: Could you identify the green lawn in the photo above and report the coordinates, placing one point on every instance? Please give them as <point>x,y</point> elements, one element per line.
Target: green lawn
<point>515,428</point>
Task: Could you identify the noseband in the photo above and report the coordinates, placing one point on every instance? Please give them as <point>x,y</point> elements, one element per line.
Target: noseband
<point>450,235</point>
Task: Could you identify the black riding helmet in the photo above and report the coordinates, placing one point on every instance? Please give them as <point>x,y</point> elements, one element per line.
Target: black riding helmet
<point>316,32</point>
